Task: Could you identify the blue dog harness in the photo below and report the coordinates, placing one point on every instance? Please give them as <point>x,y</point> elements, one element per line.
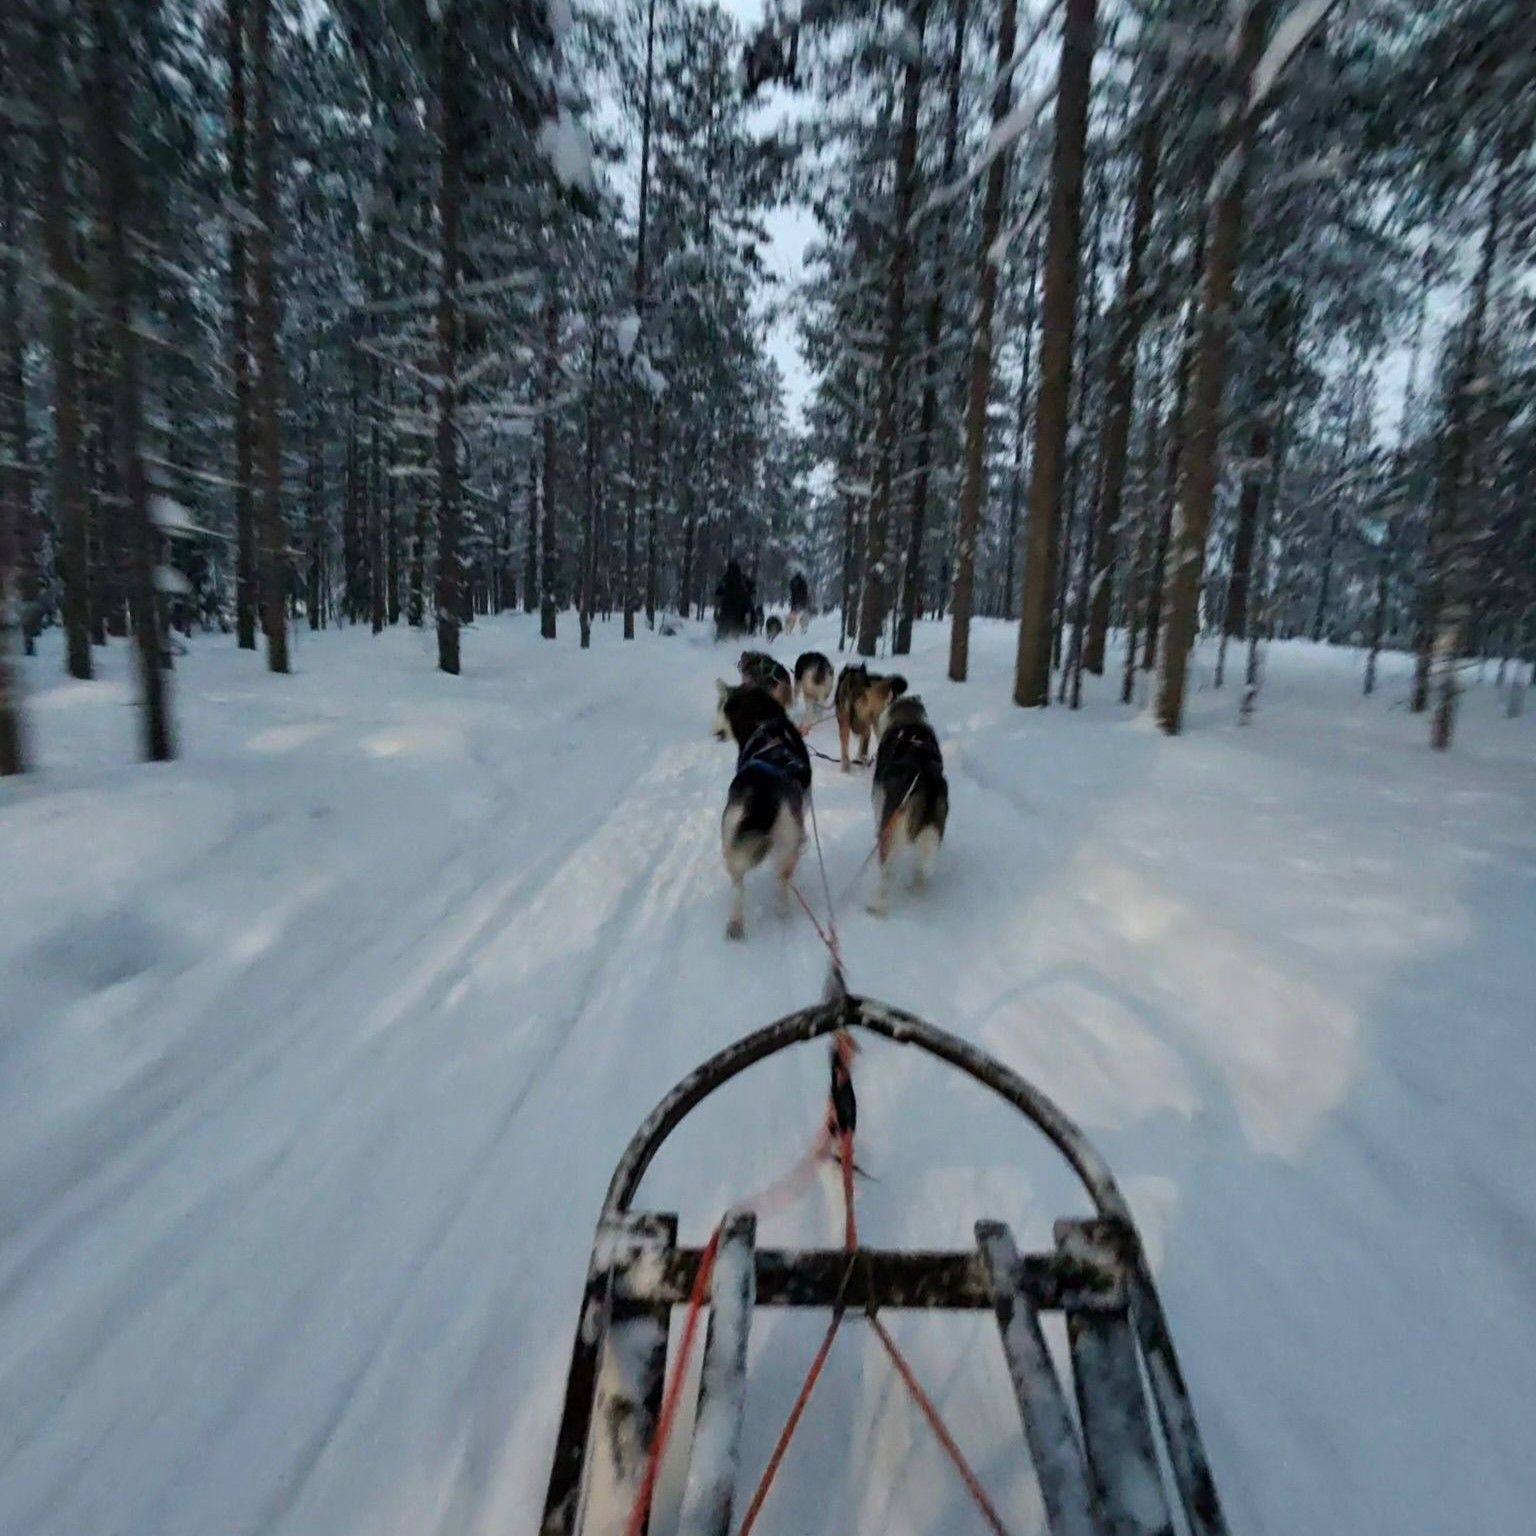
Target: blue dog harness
<point>778,749</point>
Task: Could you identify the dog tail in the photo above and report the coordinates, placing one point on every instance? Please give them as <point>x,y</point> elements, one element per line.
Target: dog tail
<point>920,804</point>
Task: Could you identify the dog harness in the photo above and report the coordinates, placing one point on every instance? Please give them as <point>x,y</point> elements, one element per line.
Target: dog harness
<point>776,748</point>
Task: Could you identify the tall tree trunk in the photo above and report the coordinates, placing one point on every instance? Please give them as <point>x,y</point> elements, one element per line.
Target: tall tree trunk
<point>1336,505</point>
<point>1137,572</point>
<point>979,379</point>
<point>377,571</point>
<point>118,203</point>
<point>1072,671</point>
<point>1202,423</point>
<point>16,482</point>
<point>589,503</point>
<point>1450,611</point>
<point>73,558</point>
<point>531,539</point>
<point>315,532</point>
<point>1120,386</point>
<point>1032,673</point>
<point>1174,454</point>
<point>550,537</point>
<point>872,609</point>
<point>1235,617</point>
<point>912,578</point>
<point>1379,612</point>
<point>392,535</point>
<point>450,148</point>
<point>1020,431</point>
<point>652,515</point>
<point>273,533</point>
<point>632,490</point>
<point>239,331</point>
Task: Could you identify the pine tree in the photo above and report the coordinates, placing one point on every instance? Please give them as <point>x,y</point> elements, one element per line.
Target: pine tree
<point>1032,676</point>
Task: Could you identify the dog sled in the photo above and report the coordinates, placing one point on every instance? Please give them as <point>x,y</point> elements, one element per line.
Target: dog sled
<point>1115,1447</point>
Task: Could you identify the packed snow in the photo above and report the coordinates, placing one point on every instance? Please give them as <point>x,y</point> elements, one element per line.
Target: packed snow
<point>320,1043</point>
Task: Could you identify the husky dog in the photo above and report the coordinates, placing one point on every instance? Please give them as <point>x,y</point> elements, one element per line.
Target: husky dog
<point>773,627</point>
<point>910,795</point>
<point>813,680</point>
<point>861,697</point>
<point>760,668</point>
<point>765,807</point>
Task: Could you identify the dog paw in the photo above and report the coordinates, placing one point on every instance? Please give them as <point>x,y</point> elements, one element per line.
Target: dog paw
<point>736,929</point>
<point>878,908</point>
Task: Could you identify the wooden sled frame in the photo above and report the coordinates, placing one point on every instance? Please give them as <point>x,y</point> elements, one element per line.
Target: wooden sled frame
<point>1131,1455</point>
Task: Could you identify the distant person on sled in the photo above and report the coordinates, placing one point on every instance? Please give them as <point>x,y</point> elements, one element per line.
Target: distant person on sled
<point>799,604</point>
<point>733,603</point>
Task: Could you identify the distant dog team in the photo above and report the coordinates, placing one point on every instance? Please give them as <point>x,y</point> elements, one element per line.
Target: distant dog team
<point>765,808</point>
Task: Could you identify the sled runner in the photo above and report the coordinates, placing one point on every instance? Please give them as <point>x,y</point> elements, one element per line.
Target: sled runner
<point>1127,1462</point>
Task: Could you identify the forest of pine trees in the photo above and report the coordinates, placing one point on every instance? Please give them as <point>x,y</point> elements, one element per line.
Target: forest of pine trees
<point>1141,323</point>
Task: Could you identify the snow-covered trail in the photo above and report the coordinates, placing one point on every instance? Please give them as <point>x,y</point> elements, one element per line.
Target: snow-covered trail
<point>317,1048</point>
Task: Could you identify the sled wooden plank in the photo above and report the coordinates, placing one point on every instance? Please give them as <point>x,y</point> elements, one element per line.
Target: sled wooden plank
<point>1186,1453</point>
<point>1112,1401</point>
<point>1117,1431</point>
<point>1053,1445</point>
<point>883,1280</point>
<point>723,1385</point>
<point>627,1373</point>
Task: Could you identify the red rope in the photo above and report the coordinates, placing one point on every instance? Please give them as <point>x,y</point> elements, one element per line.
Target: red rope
<point>669,1404</point>
<point>940,1430</point>
<point>790,1425</point>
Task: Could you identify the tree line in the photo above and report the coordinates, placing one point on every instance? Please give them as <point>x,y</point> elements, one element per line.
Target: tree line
<point>1131,321</point>
<point>1176,318</point>
<point>345,312</point>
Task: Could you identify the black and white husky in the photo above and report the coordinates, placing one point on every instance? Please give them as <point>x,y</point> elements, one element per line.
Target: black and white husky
<point>910,795</point>
<point>813,680</point>
<point>765,806</point>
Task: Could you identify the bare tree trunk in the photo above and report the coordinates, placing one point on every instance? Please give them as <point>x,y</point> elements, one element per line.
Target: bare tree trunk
<point>450,147</point>
<point>1173,458</point>
<point>118,200</point>
<point>16,484</point>
<point>928,412</point>
<point>549,539</point>
<point>1032,673</point>
<point>392,528</point>
<point>979,380</point>
<point>531,541</point>
<point>273,530</point>
<point>1120,387</point>
<point>1379,613</point>
<point>377,571</point>
<point>1235,618</point>
<point>652,514</point>
<point>1072,671</point>
<point>1020,431</point>
<point>1261,604</point>
<point>632,490</point>
<point>1136,575</point>
<point>1202,423</point>
<point>239,327</point>
<point>589,503</point>
<point>73,557</point>
<point>872,608</point>
<point>315,532</point>
<point>1450,612</point>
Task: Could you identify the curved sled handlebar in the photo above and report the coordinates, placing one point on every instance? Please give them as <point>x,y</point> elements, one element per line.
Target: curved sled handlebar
<point>893,1024</point>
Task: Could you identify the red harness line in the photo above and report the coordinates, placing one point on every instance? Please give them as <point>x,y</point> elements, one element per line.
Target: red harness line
<point>786,1188</point>
<point>669,1404</point>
